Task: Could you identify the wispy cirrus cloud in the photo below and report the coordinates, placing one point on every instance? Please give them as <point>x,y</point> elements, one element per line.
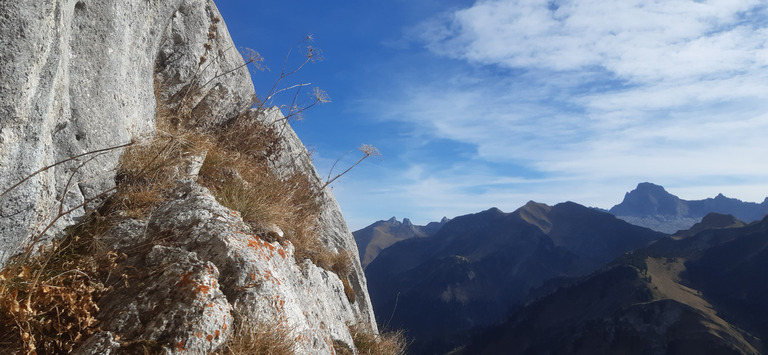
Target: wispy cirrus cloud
<point>636,40</point>
<point>590,97</point>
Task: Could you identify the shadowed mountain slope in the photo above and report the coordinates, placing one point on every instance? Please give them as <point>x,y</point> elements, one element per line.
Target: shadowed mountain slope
<point>479,266</point>
<point>705,293</point>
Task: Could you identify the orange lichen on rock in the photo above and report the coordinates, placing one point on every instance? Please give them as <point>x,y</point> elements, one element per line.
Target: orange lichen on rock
<point>186,279</point>
<point>268,276</point>
<point>201,288</point>
<point>253,243</point>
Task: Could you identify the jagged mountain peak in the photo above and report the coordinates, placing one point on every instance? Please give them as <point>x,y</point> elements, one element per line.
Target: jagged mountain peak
<point>650,205</point>
<point>649,199</point>
<point>380,235</point>
<point>649,186</point>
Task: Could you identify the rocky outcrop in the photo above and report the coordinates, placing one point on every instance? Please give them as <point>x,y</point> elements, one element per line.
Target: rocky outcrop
<point>208,266</point>
<point>77,77</point>
<point>331,226</point>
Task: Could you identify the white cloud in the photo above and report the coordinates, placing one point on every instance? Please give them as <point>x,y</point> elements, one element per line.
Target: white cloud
<point>583,101</point>
<point>636,40</point>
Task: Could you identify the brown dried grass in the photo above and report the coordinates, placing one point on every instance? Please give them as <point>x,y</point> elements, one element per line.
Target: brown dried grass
<point>238,171</point>
<point>146,171</point>
<point>339,263</point>
<point>369,343</point>
<point>263,338</point>
<point>48,301</point>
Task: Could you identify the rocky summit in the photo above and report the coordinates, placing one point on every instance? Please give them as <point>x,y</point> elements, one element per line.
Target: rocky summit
<point>650,205</point>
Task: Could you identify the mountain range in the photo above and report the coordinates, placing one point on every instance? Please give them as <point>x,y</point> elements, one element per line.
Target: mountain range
<point>511,282</point>
<point>478,267</point>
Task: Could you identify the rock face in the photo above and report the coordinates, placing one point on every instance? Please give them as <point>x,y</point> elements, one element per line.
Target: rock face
<point>651,206</point>
<point>209,266</point>
<point>331,226</point>
<point>80,76</point>
<point>77,76</point>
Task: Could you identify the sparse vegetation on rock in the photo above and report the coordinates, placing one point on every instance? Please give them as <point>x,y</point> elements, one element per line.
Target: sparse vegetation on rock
<point>214,222</point>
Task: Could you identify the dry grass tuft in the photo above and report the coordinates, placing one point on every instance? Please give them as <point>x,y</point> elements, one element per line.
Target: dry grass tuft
<point>48,301</point>
<point>259,339</point>
<point>369,343</point>
<point>341,348</point>
<point>244,184</point>
<point>237,170</point>
<point>147,170</point>
<point>348,290</point>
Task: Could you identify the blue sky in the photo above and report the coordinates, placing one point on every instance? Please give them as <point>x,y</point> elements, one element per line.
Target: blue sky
<point>492,103</point>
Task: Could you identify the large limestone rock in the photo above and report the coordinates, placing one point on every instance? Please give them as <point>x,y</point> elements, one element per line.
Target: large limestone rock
<point>331,225</point>
<point>209,266</point>
<point>81,76</point>
<point>77,76</point>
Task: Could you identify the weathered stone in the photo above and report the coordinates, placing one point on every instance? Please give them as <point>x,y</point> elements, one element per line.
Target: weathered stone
<point>102,343</point>
<point>178,303</point>
<point>78,76</point>
<point>215,264</point>
<point>332,227</point>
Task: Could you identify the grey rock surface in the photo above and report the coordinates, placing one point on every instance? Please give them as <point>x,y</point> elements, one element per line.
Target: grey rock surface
<point>77,76</point>
<point>210,267</point>
<point>332,227</point>
<point>80,76</point>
